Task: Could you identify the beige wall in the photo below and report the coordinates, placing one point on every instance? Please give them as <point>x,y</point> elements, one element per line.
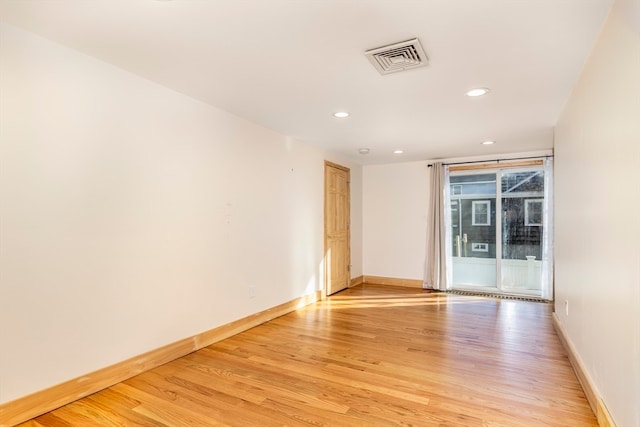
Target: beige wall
<point>395,219</point>
<point>597,215</point>
<point>132,216</point>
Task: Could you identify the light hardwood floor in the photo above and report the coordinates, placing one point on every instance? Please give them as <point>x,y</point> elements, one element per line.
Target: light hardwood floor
<point>368,356</point>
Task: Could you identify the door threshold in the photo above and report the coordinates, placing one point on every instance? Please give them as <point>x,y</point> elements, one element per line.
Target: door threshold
<point>519,297</point>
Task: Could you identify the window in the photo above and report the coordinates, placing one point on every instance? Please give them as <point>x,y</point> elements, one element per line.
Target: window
<point>533,212</point>
<point>480,213</point>
<point>480,247</point>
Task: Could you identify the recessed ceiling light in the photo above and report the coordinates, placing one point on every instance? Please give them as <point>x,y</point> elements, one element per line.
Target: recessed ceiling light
<point>478,92</point>
<point>488,142</point>
<point>341,114</point>
<point>363,150</point>
<point>398,151</point>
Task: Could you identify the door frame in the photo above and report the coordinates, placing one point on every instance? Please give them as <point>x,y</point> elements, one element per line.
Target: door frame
<point>328,164</point>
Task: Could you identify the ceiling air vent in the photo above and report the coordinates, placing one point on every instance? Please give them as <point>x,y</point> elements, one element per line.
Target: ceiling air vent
<point>398,57</point>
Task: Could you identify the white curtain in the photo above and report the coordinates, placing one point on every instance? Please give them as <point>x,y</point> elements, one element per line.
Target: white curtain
<point>547,236</point>
<point>436,272</point>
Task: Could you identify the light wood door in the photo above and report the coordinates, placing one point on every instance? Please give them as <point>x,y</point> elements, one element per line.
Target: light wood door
<point>336,228</point>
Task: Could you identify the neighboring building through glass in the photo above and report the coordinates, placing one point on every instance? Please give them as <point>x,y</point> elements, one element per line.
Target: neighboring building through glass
<point>473,210</point>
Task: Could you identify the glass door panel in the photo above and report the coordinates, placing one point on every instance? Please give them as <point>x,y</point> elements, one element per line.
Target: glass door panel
<point>473,229</point>
<point>522,197</point>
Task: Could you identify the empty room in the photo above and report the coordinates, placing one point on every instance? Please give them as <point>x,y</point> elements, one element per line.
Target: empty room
<point>320,212</point>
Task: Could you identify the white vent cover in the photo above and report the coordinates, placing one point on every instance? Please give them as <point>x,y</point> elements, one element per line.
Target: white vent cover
<point>398,57</point>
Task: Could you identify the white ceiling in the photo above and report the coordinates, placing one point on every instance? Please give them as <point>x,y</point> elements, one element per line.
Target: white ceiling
<point>289,64</point>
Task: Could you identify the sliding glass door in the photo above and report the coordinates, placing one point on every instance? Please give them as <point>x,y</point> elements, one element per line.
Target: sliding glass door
<point>497,230</point>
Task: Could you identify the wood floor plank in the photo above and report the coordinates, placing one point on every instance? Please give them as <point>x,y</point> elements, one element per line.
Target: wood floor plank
<point>34,423</point>
<point>371,355</point>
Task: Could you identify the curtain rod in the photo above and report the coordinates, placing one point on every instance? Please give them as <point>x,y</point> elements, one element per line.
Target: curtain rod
<point>495,160</point>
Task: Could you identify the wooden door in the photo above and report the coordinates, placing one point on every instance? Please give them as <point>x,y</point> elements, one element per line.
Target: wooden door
<point>336,228</point>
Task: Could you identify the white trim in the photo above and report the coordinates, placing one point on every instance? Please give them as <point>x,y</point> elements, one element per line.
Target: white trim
<point>499,242</point>
<point>473,196</point>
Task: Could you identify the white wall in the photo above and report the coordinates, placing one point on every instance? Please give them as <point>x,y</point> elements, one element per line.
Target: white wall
<point>597,175</point>
<point>357,255</point>
<point>394,223</point>
<point>132,216</point>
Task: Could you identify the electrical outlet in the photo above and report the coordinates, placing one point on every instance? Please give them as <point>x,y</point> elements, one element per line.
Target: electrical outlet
<point>566,307</point>
<point>252,291</point>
